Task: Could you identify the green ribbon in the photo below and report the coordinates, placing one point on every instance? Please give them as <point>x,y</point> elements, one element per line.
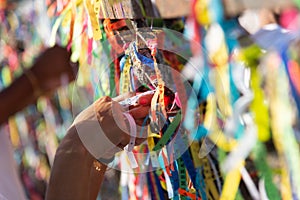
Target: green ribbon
<point>169,132</point>
<point>259,156</point>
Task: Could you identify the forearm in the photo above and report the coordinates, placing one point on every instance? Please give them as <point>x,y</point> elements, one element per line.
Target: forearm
<point>96,133</point>
<point>16,97</point>
<point>73,175</point>
<point>96,178</point>
<point>43,78</point>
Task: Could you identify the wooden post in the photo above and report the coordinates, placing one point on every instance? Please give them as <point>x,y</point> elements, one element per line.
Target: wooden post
<point>235,7</point>
<point>133,9</point>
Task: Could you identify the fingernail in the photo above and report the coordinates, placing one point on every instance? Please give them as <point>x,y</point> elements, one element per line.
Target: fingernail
<point>143,101</point>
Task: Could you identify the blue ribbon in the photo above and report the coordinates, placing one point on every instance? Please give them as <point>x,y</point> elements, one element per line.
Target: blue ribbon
<point>296,96</point>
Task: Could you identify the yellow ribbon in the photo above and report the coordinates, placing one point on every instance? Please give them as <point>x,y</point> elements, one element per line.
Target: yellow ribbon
<point>258,107</point>
<point>93,17</point>
<point>231,184</point>
<point>126,86</point>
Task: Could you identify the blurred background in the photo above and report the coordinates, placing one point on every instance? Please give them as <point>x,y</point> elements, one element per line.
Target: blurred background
<point>28,27</point>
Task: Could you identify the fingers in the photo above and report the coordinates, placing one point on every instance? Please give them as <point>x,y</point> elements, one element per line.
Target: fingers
<point>110,116</point>
<point>71,67</point>
<point>123,96</point>
<point>143,121</point>
<point>145,100</point>
<point>139,112</point>
<point>74,70</point>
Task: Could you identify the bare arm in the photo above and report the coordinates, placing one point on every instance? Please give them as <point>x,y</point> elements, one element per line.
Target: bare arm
<point>76,174</point>
<point>43,78</point>
<point>73,175</point>
<point>16,97</point>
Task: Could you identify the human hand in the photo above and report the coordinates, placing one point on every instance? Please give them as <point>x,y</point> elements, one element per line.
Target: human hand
<point>53,69</point>
<point>114,125</point>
